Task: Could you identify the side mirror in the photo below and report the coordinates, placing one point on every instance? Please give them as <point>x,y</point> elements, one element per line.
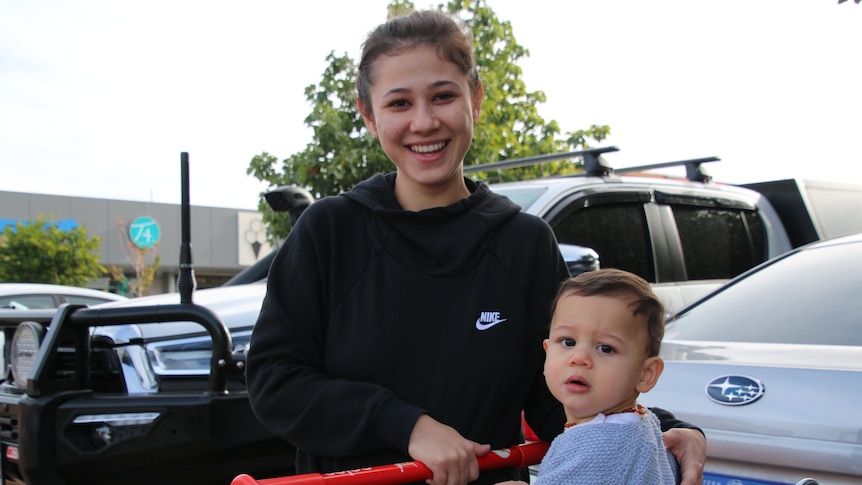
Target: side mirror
<point>289,198</point>
<point>579,259</point>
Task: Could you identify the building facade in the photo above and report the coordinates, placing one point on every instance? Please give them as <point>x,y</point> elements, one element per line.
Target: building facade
<point>223,241</point>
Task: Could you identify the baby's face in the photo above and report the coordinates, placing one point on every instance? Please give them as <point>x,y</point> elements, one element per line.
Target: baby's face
<point>595,354</point>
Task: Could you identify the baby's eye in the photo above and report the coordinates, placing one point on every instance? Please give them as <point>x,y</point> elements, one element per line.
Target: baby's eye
<point>605,349</point>
<point>567,342</point>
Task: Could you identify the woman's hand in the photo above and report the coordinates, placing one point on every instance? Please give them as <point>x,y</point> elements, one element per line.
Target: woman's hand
<point>450,456</point>
<point>689,448</point>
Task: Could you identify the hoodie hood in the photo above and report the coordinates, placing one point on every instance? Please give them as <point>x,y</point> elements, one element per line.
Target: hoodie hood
<point>441,240</point>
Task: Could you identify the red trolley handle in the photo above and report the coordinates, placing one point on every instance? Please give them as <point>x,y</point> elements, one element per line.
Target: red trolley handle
<point>412,471</point>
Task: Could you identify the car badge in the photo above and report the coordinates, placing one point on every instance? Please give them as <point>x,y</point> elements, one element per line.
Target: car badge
<point>735,390</point>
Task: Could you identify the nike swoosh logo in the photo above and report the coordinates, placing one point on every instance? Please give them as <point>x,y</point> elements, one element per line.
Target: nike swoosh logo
<point>486,326</point>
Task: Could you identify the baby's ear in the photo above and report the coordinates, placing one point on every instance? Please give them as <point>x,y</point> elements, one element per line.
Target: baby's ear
<point>650,373</point>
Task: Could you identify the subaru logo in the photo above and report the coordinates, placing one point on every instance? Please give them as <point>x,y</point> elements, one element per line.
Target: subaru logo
<point>733,390</point>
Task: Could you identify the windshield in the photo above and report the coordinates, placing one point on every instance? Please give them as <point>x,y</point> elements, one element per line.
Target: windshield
<point>811,297</point>
<point>524,197</point>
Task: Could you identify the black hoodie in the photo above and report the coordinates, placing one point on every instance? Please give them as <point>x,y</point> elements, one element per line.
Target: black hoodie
<point>375,315</point>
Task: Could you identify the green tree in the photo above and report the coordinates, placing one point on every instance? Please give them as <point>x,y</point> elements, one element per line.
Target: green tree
<point>342,153</point>
<point>510,125</point>
<point>40,252</point>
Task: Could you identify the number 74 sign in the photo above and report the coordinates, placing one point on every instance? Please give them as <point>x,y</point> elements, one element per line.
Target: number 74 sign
<point>144,232</point>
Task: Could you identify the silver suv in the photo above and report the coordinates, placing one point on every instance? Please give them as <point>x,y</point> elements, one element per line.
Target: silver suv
<point>685,236</point>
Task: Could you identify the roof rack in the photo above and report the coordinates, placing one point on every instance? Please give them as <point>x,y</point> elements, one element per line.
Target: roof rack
<point>597,166</point>
<point>693,169</point>
<point>594,164</point>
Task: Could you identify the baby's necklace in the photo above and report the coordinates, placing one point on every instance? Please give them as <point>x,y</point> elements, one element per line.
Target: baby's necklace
<point>639,409</point>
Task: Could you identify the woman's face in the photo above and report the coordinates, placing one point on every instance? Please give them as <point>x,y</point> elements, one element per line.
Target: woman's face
<point>423,112</point>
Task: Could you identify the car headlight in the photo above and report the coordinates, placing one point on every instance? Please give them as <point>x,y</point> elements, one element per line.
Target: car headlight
<point>189,356</point>
<point>23,351</point>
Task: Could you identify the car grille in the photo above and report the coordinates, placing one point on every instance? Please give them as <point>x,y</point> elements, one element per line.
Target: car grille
<point>9,439</point>
<point>105,374</point>
<point>8,426</point>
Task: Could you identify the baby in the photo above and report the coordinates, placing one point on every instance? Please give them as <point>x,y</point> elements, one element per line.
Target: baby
<point>601,353</point>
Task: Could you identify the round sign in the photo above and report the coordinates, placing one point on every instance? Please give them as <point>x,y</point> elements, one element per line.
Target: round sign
<point>144,232</point>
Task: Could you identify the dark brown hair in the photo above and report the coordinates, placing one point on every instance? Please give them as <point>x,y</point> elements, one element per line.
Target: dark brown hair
<point>453,40</point>
<point>618,283</point>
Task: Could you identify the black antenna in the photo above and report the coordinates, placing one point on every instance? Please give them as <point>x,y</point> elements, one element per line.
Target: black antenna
<point>186,283</point>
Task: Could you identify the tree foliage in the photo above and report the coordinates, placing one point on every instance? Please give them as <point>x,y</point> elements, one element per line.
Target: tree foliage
<point>510,125</point>
<point>342,153</point>
<point>40,252</point>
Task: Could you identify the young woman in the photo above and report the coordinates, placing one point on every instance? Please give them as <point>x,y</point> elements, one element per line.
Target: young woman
<point>404,319</point>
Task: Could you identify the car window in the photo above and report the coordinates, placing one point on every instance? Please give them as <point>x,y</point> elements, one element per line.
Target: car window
<point>84,300</point>
<point>522,197</point>
<point>25,302</point>
<point>616,231</point>
<point>811,297</point>
<point>719,243</point>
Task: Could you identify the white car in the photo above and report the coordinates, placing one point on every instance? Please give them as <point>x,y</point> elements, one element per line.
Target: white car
<point>770,367</point>
<point>34,296</point>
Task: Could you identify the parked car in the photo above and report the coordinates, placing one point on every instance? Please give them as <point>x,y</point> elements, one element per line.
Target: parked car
<point>152,390</point>
<point>25,296</point>
<point>685,236</point>
<point>770,367</point>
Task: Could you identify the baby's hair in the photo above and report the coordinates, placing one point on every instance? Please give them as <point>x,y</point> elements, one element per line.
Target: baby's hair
<point>621,284</point>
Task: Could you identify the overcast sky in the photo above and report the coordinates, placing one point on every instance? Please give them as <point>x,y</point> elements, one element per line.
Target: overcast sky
<point>98,98</point>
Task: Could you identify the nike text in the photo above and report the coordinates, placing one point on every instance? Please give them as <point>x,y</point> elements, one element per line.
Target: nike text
<point>487,320</point>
